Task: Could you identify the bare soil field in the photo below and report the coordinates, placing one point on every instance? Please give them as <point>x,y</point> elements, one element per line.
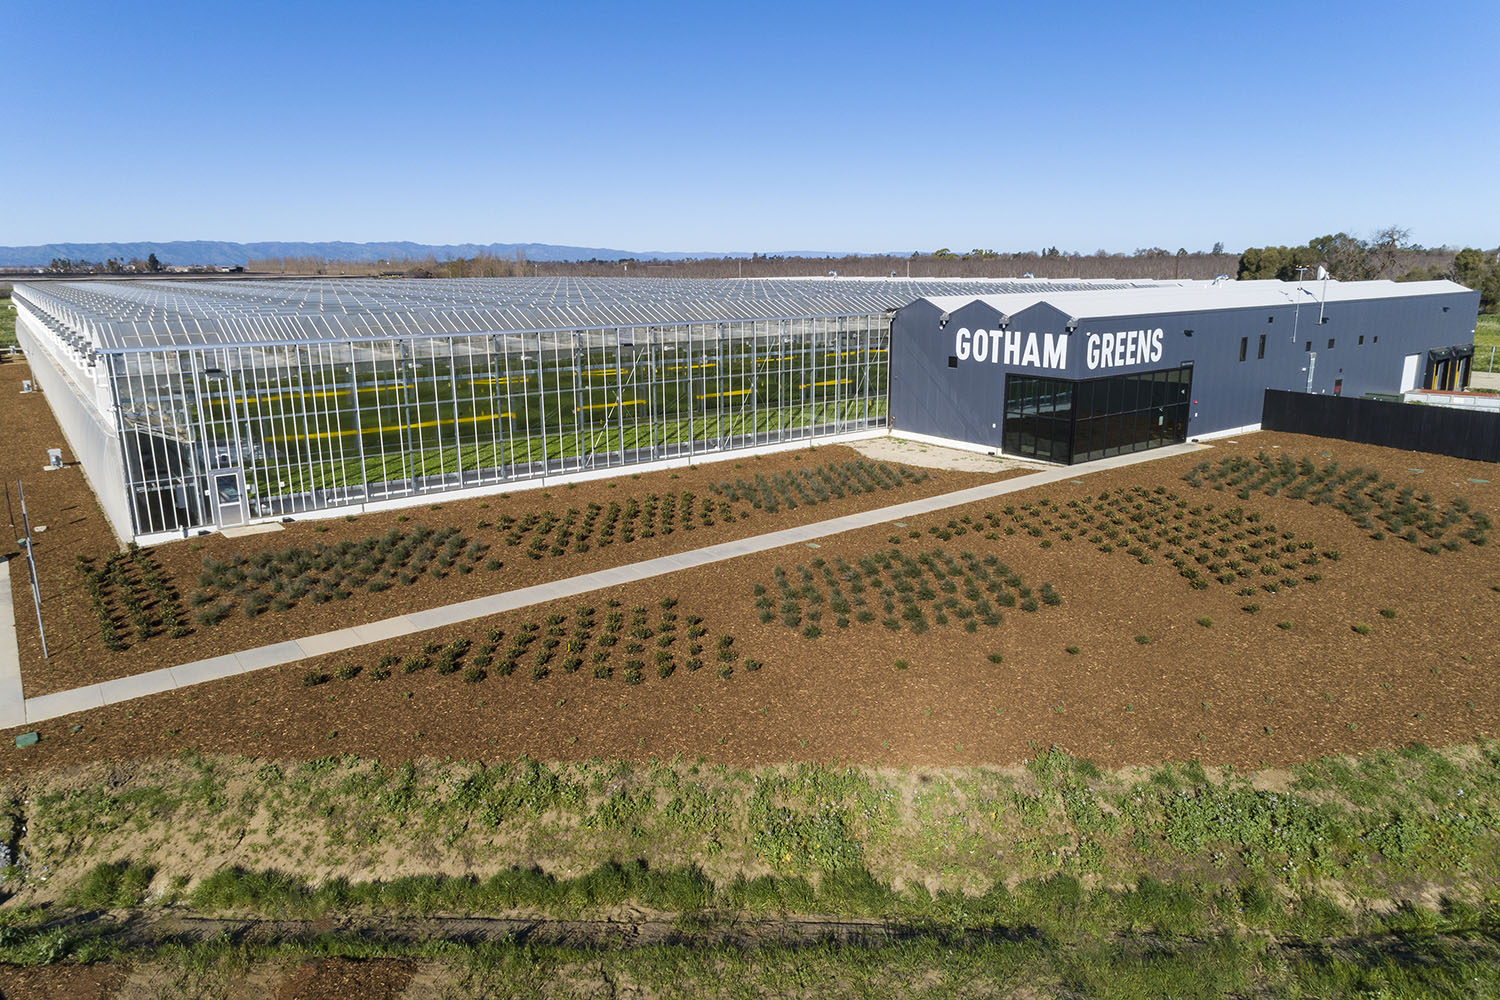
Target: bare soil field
<point>503,558</point>
<point>60,982</point>
<point>1136,662</point>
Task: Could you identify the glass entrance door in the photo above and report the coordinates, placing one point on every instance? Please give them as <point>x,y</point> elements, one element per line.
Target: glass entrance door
<point>227,489</point>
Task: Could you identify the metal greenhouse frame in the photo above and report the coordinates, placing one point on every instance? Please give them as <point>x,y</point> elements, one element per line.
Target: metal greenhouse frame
<point>232,401</point>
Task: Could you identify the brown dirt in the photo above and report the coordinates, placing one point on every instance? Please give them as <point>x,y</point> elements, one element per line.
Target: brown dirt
<point>342,979</point>
<point>1241,692</point>
<point>76,525</point>
<point>62,501</point>
<point>60,982</point>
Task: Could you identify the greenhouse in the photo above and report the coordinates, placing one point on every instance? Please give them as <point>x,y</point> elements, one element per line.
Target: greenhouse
<point>208,404</point>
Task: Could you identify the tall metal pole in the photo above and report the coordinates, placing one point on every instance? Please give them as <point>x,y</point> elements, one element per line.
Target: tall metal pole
<point>36,590</point>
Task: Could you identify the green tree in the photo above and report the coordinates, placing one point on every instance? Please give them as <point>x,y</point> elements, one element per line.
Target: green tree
<point>1480,271</point>
<point>1280,263</point>
<point>152,264</point>
<point>1346,257</point>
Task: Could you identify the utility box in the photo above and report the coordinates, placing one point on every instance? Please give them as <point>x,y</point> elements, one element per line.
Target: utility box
<point>26,385</point>
<point>54,458</point>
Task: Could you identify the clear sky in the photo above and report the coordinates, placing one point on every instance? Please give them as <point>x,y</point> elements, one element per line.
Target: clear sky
<point>752,126</point>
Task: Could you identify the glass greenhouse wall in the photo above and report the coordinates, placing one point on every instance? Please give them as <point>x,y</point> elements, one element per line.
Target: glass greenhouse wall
<point>221,434</point>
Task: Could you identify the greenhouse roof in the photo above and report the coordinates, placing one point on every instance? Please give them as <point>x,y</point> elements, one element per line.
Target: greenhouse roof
<point>151,314</point>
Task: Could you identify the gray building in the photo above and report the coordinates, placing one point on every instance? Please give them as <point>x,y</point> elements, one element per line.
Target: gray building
<point>1070,376</point>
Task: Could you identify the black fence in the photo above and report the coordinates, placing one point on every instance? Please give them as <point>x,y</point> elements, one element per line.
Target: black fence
<point>1439,430</point>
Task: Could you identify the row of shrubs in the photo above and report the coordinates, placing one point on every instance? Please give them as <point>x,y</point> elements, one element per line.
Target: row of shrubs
<point>1377,505</point>
<point>279,579</point>
<point>809,487</point>
<point>599,526</point>
<point>964,589</point>
<point>616,643</point>
<point>1202,544</point>
<point>133,580</point>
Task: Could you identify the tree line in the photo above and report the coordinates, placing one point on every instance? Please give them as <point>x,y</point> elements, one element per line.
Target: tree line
<point>482,265</point>
<point>112,265</point>
<point>1389,254</point>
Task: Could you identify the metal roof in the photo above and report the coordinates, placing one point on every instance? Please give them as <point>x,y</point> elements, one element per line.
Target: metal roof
<point>1197,296</point>
<point>125,315</point>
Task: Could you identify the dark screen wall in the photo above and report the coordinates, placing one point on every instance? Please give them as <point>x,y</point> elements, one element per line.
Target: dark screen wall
<point>967,402</point>
<point>1438,430</point>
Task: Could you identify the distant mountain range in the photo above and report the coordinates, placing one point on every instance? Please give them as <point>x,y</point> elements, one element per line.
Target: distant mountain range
<point>219,254</point>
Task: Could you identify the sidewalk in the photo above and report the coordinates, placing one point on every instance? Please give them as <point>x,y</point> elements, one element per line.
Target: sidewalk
<point>52,706</point>
<point>12,708</point>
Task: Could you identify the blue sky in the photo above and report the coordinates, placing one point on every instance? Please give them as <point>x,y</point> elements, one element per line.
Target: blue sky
<point>765,126</point>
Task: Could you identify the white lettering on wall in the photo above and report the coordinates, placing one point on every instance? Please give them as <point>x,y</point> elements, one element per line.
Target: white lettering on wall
<point>1056,353</point>
<point>1128,347</point>
<point>1020,348</point>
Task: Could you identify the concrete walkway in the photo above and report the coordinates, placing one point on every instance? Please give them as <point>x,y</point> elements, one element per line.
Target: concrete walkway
<point>12,709</point>
<point>52,706</point>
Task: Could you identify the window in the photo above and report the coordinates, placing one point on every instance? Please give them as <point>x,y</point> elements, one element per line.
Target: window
<point>1361,339</point>
<point>1244,345</point>
<point>1330,343</point>
<point>1063,421</point>
<point>953,361</point>
<point>1260,352</point>
<point>1307,346</point>
<point>1375,339</point>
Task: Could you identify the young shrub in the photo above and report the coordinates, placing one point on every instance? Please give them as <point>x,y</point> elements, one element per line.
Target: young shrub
<point>1143,639</point>
<point>348,671</point>
<point>413,664</point>
<point>313,678</point>
<point>996,658</point>
<point>1387,613</point>
<point>1362,629</point>
<point>379,673</point>
<point>1206,622</point>
<point>753,664</point>
<point>1284,626</point>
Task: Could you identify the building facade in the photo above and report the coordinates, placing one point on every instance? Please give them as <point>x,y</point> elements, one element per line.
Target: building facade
<point>1073,376</point>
